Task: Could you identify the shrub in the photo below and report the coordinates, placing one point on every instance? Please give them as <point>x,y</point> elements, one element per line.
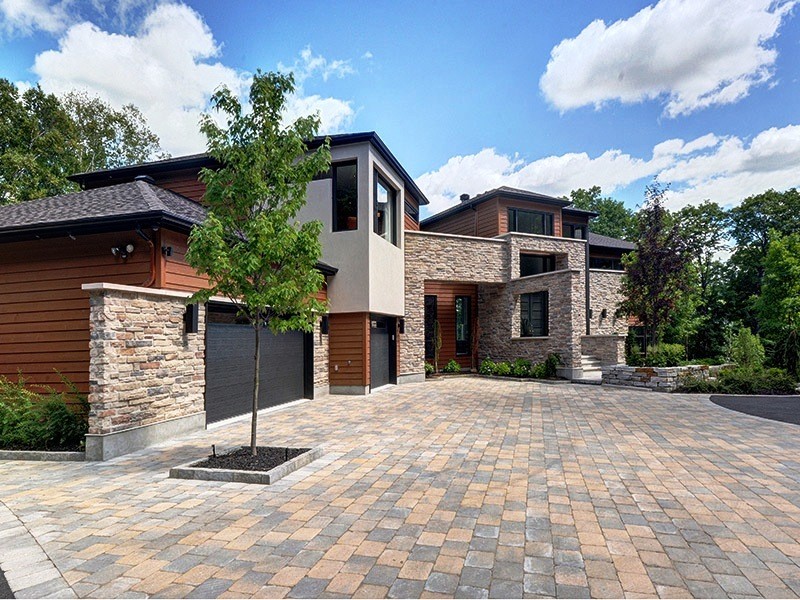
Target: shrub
<point>551,364</point>
<point>452,367</point>
<point>664,355</point>
<point>539,371</point>
<point>521,368</point>
<point>41,421</point>
<point>740,380</point>
<point>488,367</point>
<point>695,385</point>
<point>747,350</point>
<point>429,370</point>
<point>634,357</point>
<point>503,369</point>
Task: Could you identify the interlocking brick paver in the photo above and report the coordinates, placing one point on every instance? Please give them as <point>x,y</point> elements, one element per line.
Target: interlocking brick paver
<point>462,487</point>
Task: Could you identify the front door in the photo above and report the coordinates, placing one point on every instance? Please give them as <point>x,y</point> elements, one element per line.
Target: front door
<point>381,351</point>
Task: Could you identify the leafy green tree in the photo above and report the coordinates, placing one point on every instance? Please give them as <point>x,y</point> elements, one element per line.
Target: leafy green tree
<point>614,220</point>
<point>251,246</point>
<point>38,147</point>
<point>109,138</point>
<point>778,306</point>
<point>655,277</point>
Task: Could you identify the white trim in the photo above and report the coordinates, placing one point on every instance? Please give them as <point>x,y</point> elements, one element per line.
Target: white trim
<point>453,235</point>
<point>539,236</point>
<point>135,289</point>
<point>558,272</point>
<point>520,338</point>
<point>615,271</point>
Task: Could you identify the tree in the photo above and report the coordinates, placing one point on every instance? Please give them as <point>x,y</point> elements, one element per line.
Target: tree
<point>778,306</point>
<point>109,138</point>
<point>38,146</point>
<point>655,273</point>
<point>251,246</point>
<point>614,220</point>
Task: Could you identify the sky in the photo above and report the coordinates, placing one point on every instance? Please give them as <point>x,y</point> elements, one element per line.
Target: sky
<point>700,95</point>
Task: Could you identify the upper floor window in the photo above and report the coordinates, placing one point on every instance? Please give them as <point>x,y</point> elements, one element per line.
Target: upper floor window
<point>530,221</point>
<point>345,196</point>
<point>574,230</point>
<point>385,221</point>
<point>412,211</point>
<point>536,264</point>
<point>602,262</point>
<point>534,315</point>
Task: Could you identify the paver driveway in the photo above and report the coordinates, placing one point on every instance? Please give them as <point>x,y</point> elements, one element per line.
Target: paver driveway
<point>462,487</point>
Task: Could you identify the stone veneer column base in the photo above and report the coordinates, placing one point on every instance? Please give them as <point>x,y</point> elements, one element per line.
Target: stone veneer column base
<point>410,378</point>
<point>569,373</point>
<point>110,445</point>
<point>349,390</point>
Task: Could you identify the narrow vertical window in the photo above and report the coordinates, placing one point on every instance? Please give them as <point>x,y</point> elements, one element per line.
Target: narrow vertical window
<point>533,314</point>
<point>463,330</point>
<point>345,196</point>
<point>430,326</point>
<point>385,210</point>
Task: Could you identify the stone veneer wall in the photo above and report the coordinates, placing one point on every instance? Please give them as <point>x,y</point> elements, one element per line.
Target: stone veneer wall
<point>609,349</point>
<point>320,359</point>
<point>663,379</point>
<point>143,368</point>
<point>605,292</point>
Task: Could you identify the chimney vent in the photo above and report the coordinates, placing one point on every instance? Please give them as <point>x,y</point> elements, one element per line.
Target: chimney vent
<point>464,197</point>
<point>145,178</point>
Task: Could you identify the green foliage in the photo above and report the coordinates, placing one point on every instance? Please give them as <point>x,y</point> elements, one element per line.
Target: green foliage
<point>251,246</point>
<point>521,368</point>
<point>551,364</point>
<point>659,355</point>
<point>488,367</point>
<point>747,351</point>
<point>43,139</point>
<point>614,220</point>
<point>502,369</point>
<point>437,343</point>
<point>452,366</point>
<point>429,370</point>
<point>41,421</point>
<point>743,381</point>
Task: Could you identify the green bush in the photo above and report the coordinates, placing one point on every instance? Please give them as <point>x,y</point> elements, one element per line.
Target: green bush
<point>740,380</point>
<point>664,355</point>
<point>521,368</point>
<point>41,421</point>
<point>539,371</point>
<point>747,350</point>
<point>551,364</point>
<point>429,370</point>
<point>488,367</point>
<point>452,367</point>
<point>503,369</point>
<point>634,357</point>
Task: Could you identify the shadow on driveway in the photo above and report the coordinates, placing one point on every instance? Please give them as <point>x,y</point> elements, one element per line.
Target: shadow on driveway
<point>775,408</point>
<point>5,591</point>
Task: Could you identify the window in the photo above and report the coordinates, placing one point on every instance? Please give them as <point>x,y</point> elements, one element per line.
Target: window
<point>345,196</point>
<point>430,326</point>
<point>602,262</point>
<point>534,314</point>
<point>385,224</point>
<point>463,333</point>
<point>535,264</point>
<point>573,230</point>
<point>530,221</point>
<point>412,211</point>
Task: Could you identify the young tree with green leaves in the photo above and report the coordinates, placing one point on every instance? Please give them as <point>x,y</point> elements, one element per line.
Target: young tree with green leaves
<point>614,219</point>
<point>655,273</point>
<point>251,246</point>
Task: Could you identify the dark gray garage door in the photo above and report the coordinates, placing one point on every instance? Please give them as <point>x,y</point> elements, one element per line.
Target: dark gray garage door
<point>381,351</point>
<point>229,367</point>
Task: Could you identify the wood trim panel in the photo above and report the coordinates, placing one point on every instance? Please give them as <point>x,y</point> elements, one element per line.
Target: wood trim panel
<point>446,293</point>
<point>185,183</point>
<point>348,349</point>
<point>504,204</point>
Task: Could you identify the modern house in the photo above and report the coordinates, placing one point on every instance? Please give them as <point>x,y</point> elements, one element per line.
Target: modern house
<point>95,287</point>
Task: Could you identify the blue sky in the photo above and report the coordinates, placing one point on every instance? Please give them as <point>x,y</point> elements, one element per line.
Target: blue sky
<point>548,96</point>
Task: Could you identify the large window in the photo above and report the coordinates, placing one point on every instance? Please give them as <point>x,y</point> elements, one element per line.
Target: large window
<point>535,264</point>
<point>602,262</point>
<point>385,224</point>
<point>530,221</point>
<point>534,314</point>
<point>574,230</point>
<point>345,196</point>
<point>463,333</point>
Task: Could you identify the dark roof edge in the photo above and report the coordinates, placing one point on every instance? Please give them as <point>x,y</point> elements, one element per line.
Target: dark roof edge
<point>580,211</point>
<point>326,269</point>
<point>481,198</point>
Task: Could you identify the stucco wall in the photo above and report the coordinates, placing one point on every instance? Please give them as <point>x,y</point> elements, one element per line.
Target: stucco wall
<point>605,292</point>
<point>143,368</point>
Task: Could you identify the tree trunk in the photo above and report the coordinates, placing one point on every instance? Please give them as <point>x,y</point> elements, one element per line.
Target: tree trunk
<point>257,372</point>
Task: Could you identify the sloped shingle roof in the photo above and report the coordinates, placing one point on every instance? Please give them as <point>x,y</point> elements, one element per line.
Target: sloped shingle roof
<point>595,239</point>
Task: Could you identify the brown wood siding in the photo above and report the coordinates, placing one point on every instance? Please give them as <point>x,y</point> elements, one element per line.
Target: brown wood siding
<point>177,274</point>
<point>348,340</point>
<point>410,222</point>
<point>505,204</point>
<point>446,293</point>
<point>185,183</point>
<point>44,314</point>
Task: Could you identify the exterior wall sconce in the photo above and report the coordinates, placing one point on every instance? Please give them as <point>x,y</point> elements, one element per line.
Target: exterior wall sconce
<point>324,325</point>
<point>166,250</point>
<point>603,314</point>
<point>191,318</point>
<point>123,252</point>
<point>401,326</point>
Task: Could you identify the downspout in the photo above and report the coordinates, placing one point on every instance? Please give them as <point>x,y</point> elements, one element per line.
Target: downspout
<point>588,307</point>
<point>152,278</point>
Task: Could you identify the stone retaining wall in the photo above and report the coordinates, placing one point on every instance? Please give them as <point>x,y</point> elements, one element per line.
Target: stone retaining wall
<point>144,369</point>
<point>663,379</point>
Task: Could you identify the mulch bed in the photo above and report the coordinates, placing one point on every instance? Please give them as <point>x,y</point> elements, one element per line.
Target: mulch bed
<point>242,459</point>
<point>775,408</point>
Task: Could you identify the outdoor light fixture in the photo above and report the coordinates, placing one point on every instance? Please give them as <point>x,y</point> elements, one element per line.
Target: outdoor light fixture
<point>123,252</point>
<point>191,318</point>
<point>603,313</point>
<point>402,326</point>
<point>324,325</point>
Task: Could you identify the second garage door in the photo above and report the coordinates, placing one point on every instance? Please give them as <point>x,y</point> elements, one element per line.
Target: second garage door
<point>284,366</point>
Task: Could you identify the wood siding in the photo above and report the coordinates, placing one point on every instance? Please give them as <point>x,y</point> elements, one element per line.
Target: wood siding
<point>481,222</point>
<point>185,183</point>
<point>410,222</point>
<point>348,340</point>
<point>174,272</point>
<point>44,314</point>
<point>504,204</point>
<point>446,293</point>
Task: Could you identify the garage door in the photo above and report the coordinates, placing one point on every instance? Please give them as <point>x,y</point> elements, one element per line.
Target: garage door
<point>229,367</point>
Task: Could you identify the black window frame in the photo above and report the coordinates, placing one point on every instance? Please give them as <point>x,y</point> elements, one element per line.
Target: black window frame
<point>334,201</point>
<point>532,330</point>
<point>430,318</point>
<point>384,182</point>
<point>464,346</point>
<point>548,220</point>
<point>412,211</point>
<point>571,227</point>
<point>606,263</point>
<point>549,261</point>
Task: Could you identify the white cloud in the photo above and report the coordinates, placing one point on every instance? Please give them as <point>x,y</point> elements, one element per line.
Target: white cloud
<point>169,67</point>
<point>309,65</point>
<point>23,17</point>
<point>723,169</point>
<point>689,53</point>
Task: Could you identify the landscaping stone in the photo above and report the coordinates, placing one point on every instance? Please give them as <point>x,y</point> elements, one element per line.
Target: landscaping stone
<point>662,379</point>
